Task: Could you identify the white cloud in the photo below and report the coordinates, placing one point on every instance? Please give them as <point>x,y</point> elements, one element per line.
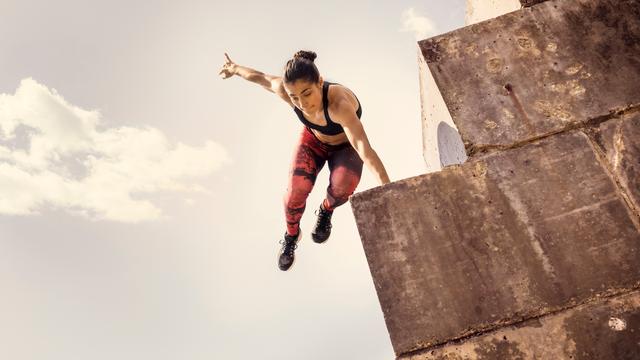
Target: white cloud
<point>54,153</point>
<point>421,26</point>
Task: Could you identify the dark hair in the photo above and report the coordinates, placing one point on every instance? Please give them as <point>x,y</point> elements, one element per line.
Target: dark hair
<point>301,66</point>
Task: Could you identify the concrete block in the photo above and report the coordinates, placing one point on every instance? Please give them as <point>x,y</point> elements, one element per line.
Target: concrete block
<point>539,70</point>
<point>510,236</point>
<point>608,329</point>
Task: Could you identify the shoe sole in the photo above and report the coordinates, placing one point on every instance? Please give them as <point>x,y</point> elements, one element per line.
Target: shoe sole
<point>320,242</point>
<point>294,257</point>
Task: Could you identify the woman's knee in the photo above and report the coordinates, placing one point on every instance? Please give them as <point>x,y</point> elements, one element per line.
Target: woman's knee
<point>343,183</point>
<point>342,192</point>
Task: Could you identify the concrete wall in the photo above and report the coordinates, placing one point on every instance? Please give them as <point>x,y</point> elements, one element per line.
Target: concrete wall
<point>514,235</point>
<point>530,248</point>
<point>602,329</point>
<point>538,71</point>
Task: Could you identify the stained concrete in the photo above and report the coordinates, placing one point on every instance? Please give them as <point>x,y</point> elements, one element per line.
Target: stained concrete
<point>605,329</point>
<point>539,70</point>
<point>442,144</point>
<point>512,235</point>
<point>531,248</point>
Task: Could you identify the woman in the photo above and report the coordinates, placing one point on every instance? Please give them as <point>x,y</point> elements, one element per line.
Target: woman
<point>332,132</point>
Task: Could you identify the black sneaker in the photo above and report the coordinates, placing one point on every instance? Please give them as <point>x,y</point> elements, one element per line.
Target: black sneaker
<point>286,256</point>
<point>322,230</point>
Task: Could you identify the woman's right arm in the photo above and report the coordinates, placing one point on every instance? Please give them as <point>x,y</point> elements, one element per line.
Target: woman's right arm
<point>269,82</point>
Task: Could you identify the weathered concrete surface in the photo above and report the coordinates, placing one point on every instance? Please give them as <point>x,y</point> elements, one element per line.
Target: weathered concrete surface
<point>538,70</point>
<point>441,143</point>
<point>608,329</point>
<point>516,234</point>
<point>620,140</point>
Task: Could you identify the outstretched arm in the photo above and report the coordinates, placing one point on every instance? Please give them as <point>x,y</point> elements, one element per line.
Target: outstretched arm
<point>269,82</point>
<point>346,116</point>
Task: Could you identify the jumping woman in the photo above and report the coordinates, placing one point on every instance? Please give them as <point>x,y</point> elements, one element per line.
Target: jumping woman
<point>332,133</point>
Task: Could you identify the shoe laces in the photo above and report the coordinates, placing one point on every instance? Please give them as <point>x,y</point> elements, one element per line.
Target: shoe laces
<point>324,219</point>
<point>289,244</point>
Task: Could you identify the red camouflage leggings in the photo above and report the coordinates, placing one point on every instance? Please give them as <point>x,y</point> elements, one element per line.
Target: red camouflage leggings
<point>310,154</point>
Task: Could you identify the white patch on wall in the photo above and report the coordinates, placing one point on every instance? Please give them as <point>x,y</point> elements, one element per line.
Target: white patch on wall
<point>481,10</point>
<point>617,324</point>
<point>57,154</point>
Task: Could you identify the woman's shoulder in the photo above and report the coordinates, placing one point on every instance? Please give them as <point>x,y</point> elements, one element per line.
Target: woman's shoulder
<point>337,93</point>
<point>341,99</point>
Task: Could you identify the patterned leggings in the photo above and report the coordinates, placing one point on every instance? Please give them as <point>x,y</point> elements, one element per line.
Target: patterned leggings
<point>309,157</point>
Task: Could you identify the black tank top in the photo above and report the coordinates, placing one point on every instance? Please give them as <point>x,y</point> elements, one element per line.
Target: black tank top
<point>331,128</point>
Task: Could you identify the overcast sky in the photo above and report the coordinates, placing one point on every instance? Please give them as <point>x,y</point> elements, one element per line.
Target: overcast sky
<point>141,194</point>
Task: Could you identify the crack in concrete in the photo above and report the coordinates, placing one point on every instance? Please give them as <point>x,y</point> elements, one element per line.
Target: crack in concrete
<point>487,149</point>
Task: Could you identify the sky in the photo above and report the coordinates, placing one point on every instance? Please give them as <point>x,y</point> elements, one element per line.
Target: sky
<point>141,195</point>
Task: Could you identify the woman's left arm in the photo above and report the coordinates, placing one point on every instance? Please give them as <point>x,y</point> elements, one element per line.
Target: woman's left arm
<point>346,116</point>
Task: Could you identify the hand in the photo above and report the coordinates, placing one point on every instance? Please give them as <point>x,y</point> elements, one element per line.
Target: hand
<point>228,69</point>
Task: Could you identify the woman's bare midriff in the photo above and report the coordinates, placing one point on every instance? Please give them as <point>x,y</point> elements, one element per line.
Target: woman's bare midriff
<point>330,139</point>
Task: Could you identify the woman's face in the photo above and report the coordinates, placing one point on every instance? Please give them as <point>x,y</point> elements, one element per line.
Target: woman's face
<point>305,95</point>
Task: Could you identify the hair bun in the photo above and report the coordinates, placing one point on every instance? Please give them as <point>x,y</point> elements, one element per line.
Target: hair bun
<point>309,55</point>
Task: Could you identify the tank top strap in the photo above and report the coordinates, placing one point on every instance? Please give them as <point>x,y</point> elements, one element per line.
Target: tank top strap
<point>325,101</point>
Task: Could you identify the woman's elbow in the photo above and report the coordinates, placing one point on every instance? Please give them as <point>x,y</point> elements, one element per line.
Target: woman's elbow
<point>366,153</point>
